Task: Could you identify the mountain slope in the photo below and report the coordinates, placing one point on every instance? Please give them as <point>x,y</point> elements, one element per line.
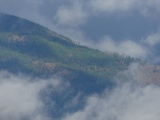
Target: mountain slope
<point>26,47</point>
<point>31,49</point>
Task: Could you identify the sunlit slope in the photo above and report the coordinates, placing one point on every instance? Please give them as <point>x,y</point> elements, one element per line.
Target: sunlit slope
<point>29,48</point>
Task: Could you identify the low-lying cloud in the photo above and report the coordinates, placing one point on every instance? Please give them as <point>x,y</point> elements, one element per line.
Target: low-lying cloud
<point>135,96</point>
<point>20,96</point>
<point>122,103</point>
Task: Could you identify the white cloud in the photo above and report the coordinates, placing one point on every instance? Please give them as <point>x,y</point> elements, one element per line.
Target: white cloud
<point>145,7</point>
<point>127,47</point>
<point>122,103</point>
<point>20,97</point>
<point>112,5</point>
<point>71,15</point>
<point>133,49</point>
<point>152,39</point>
<point>134,97</point>
<point>151,43</point>
<point>67,16</point>
<point>149,8</point>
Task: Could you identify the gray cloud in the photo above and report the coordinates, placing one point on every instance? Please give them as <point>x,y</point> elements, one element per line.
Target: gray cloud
<point>67,17</point>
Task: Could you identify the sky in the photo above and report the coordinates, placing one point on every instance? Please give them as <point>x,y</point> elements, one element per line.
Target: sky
<point>129,27</point>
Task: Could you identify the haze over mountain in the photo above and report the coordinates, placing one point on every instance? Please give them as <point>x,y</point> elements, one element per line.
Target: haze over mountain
<point>47,76</point>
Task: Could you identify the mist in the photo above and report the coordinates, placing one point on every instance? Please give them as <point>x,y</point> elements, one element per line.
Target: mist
<point>134,96</point>
<point>122,103</point>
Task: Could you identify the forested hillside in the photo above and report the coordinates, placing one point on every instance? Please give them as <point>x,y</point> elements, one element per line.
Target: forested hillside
<point>31,49</point>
